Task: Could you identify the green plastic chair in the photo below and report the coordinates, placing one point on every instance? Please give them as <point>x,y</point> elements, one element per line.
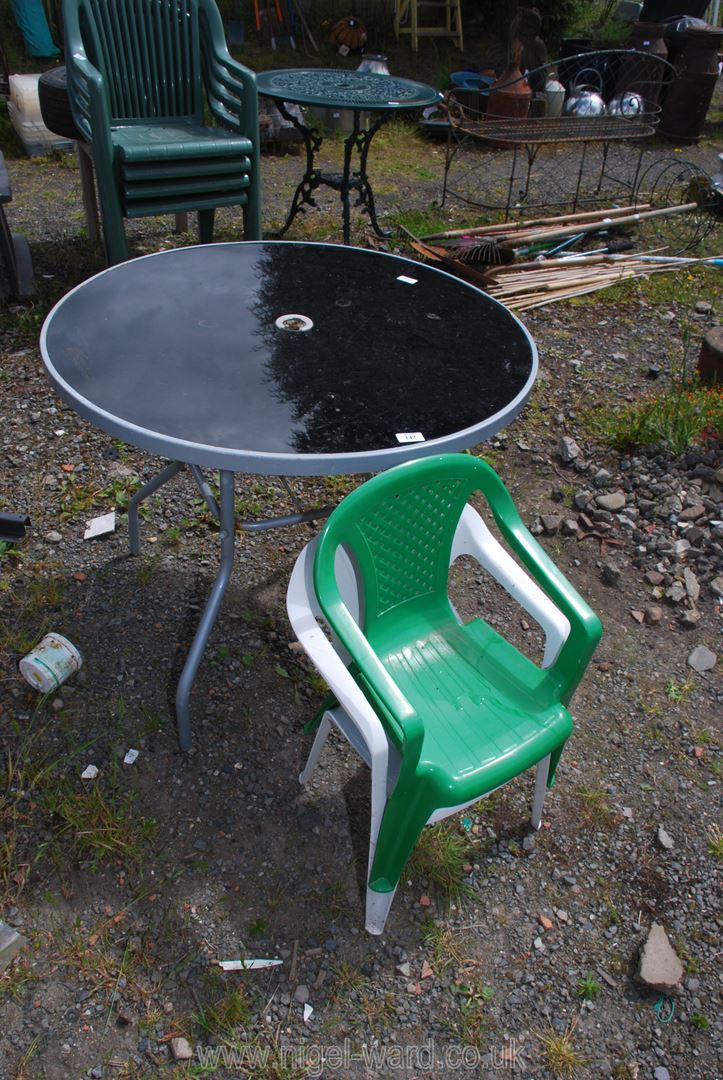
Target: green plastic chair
<point>443,712</point>
<point>140,75</point>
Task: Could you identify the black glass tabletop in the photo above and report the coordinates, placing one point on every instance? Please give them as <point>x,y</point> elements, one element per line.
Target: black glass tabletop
<point>288,358</point>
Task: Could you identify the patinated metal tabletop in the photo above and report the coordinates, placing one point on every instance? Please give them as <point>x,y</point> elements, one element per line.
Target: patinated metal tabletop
<point>358,91</point>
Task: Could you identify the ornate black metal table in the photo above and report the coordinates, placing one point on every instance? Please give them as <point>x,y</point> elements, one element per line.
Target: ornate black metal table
<point>282,359</point>
<point>358,91</point>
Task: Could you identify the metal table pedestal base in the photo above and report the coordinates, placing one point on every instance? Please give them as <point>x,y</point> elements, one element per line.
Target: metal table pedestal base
<point>344,182</point>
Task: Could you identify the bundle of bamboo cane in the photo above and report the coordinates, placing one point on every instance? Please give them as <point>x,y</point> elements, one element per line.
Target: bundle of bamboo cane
<point>526,288</point>
<point>524,285</point>
<point>493,244</point>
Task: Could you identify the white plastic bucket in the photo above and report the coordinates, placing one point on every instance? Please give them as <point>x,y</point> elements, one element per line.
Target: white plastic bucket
<point>50,663</point>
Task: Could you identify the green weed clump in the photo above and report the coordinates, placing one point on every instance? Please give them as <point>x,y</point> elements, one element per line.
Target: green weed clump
<point>439,859</point>
<point>678,418</point>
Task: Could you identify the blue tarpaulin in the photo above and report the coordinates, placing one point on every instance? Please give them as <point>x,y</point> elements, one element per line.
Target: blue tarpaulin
<point>30,17</point>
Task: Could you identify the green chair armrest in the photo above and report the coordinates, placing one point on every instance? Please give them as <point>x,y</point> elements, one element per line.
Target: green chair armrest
<point>233,96</point>
<point>84,82</point>
<point>585,626</point>
<point>86,89</point>
<point>231,102</point>
<point>407,728</point>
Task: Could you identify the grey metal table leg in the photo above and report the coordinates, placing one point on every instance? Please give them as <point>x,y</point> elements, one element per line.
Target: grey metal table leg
<point>134,533</point>
<point>188,675</point>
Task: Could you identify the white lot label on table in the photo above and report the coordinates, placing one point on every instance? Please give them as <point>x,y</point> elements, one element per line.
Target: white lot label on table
<point>409,436</point>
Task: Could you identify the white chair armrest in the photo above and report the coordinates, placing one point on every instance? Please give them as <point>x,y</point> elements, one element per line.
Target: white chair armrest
<point>303,612</point>
<point>474,538</point>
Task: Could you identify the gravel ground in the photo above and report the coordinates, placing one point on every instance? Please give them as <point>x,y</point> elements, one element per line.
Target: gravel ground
<point>129,888</point>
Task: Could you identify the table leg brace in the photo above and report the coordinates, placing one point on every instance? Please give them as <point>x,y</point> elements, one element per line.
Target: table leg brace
<point>134,533</point>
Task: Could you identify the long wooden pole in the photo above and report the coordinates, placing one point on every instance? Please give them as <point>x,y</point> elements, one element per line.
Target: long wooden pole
<point>585,227</point>
<point>583,215</point>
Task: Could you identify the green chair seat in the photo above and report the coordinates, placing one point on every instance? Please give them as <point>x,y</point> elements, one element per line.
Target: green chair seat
<point>135,143</point>
<point>183,169</point>
<point>185,202</point>
<point>176,189</point>
<point>489,713</point>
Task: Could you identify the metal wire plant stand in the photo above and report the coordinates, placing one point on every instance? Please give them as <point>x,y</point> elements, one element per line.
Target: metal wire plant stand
<point>669,181</point>
<point>597,151</point>
<point>609,96</point>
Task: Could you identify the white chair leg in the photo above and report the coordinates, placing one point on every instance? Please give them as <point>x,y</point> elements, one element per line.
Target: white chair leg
<point>378,905</point>
<point>543,769</point>
<point>378,802</point>
<point>322,734</point>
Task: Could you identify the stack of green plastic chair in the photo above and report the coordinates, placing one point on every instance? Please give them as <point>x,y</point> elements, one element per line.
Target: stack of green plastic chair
<point>141,75</point>
<point>443,711</point>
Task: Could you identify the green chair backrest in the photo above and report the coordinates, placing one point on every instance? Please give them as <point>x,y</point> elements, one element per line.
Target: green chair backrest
<point>398,530</point>
<point>148,52</point>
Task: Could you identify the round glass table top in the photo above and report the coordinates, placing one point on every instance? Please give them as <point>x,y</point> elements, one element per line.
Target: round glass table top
<point>288,358</point>
<point>338,89</point>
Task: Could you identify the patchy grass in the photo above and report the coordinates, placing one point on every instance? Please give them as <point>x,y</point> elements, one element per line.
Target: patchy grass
<point>47,812</point>
<point>22,1069</point>
<point>78,497</point>
<point>348,979</point>
<point>224,1015</point>
<point>588,987</point>
<point>25,774</point>
<point>421,222</point>
<point>253,1058</point>
<point>595,809</point>
<point>16,978</point>
<point>678,691</point>
<point>677,418</point>
<point>474,1015</point>
<point>99,824</point>
<point>91,953</point>
<point>561,1057</point>
<point>35,606</point>
<point>446,946</point>
<point>377,1010</point>
<point>715,846</point>
<point>437,861</point>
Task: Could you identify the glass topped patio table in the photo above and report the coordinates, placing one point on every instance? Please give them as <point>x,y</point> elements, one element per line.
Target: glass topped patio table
<point>360,92</point>
<point>283,359</point>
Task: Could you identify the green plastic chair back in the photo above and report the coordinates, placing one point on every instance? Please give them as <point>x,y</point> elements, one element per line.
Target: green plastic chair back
<point>148,54</point>
<point>464,707</point>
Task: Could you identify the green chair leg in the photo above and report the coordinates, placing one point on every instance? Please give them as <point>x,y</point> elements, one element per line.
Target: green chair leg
<point>111,212</point>
<point>252,215</point>
<point>554,762</point>
<point>114,237</point>
<point>205,226</point>
<point>405,816</point>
